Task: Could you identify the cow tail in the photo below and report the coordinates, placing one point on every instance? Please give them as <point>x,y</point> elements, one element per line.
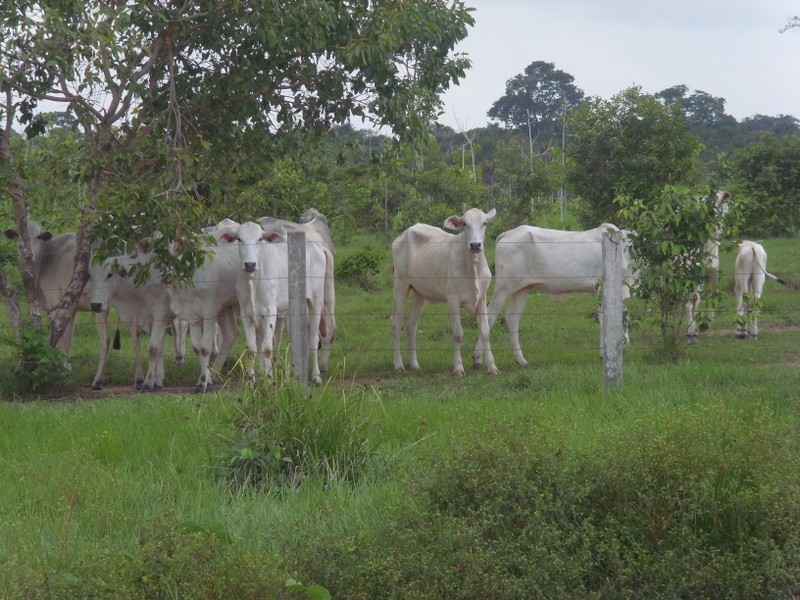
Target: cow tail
<point>117,345</point>
<point>767,273</point>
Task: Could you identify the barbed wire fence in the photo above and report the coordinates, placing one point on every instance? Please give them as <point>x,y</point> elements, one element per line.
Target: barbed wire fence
<point>572,325</point>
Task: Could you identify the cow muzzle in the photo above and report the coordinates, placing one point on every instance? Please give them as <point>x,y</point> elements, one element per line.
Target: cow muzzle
<point>475,246</point>
<point>250,267</point>
<point>96,307</point>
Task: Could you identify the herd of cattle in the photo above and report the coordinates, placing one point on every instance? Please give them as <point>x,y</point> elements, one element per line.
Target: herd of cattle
<point>245,276</point>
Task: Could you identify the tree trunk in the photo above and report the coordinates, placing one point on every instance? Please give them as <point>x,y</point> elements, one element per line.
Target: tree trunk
<point>62,313</point>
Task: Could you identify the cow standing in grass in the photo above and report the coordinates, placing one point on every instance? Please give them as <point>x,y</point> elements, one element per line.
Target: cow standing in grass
<point>750,272</point>
<point>437,266</point>
<point>549,261</point>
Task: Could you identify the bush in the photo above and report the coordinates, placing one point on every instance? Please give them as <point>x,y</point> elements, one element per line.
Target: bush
<point>39,367</point>
<point>698,504</point>
<point>287,437</point>
<point>360,266</point>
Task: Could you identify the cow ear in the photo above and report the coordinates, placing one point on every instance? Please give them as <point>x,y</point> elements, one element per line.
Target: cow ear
<point>453,222</point>
<point>45,236</point>
<point>122,272</point>
<point>143,247</point>
<point>228,238</point>
<point>273,237</point>
<point>490,215</point>
<point>11,234</point>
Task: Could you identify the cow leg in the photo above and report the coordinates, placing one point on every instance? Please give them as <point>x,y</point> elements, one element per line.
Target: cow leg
<point>138,377</point>
<point>741,311</point>
<point>267,340</point>
<point>493,312</point>
<point>65,343</point>
<point>228,332</point>
<point>516,306</point>
<point>454,307</point>
<point>179,330</point>
<point>101,321</point>
<point>483,331</point>
<point>398,310</point>
<point>250,335</point>
<point>691,317</point>
<point>154,380</point>
<point>204,355</point>
<point>314,319</point>
<point>412,321</point>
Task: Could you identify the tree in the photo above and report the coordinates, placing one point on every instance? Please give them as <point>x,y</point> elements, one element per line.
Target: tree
<point>177,102</point>
<point>671,250</point>
<point>538,98</point>
<point>768,173</point>
<point>700,108</point>
<point>631,145</point>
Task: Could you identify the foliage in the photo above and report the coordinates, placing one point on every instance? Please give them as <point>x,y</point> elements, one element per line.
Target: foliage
<point>537,98</point>
<point>689,503</point>
<point>196,96</point>
<point>768,172</point>
<point>287,437</point>
<point>38,368</point>
<point>361,265</point>
<point>521,183</point>
<point>671,248</point>
<point>630,145</point>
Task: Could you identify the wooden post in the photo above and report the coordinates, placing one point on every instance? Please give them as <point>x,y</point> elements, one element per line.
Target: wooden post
<point>298,311</point>
<point>611,321</point>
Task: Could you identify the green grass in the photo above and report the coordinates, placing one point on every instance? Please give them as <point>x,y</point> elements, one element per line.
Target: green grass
<point>90,487</point>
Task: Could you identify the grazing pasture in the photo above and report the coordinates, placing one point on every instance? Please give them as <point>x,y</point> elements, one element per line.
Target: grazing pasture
<point>534,483</point>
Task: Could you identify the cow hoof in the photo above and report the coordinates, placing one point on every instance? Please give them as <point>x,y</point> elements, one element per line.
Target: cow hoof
<point>97,385</point>
<point>753,337</point>
<point>200,389</point>
<point>741,336</point>
<point>692,339</point>
<point>138,385</point>
<point>494,371</point>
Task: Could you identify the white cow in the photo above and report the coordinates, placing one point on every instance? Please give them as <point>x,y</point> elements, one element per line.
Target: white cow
<point>315,225</point>
<point>550,261</point>
<point>712,253</point>
<point>442,267</point>
<point>262,289</point>
<point>54,263</point>
<point>750,272</point>
<point>144,307</point>
<point>207,301</point>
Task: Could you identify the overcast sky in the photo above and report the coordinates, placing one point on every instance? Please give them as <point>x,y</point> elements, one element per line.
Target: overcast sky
<point>728,48</point>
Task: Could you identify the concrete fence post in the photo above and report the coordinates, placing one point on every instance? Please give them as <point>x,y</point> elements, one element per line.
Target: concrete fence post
<point>611,318</point>
<point>298,310</point>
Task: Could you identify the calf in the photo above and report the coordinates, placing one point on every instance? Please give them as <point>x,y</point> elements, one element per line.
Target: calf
<point>262,289</point>
<point>143,307</point>
<point>442,267</point>
<point>750,272</point>
<point>550,261</point>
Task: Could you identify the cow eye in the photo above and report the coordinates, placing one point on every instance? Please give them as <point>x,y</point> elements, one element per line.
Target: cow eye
<point>109,276</point>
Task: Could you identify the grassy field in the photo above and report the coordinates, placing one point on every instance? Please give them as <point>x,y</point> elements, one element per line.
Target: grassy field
<point>125,495</point>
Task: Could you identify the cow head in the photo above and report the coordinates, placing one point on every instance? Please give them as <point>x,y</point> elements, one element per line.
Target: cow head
<point>473,225</point>
<point>249,236</point>
<point>104,281</point>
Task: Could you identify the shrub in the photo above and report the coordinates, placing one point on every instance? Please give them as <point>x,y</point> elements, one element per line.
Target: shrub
<point>39,367</point>
<point>697,504</point>
<point>287,436</point>
<point>361,265</point>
